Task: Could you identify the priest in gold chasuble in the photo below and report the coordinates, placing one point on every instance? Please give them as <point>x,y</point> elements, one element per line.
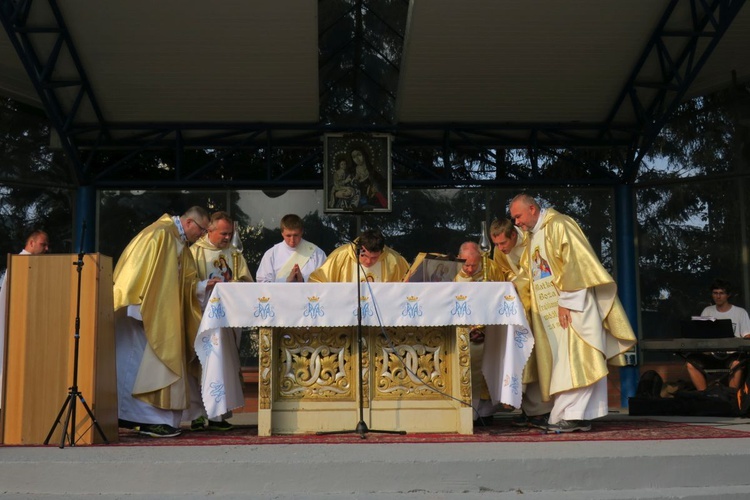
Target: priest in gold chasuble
<point>379,262</point>
<point>578,322</point>
<point>471,271</point>
<point>214,257</point>
<point>510,243</point>
<point>156,318</point>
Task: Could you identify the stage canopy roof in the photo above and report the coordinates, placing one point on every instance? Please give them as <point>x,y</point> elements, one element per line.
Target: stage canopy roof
<point>441,74</point>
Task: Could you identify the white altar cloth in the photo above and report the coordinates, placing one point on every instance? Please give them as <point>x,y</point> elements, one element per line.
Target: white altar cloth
<point>234,305</point>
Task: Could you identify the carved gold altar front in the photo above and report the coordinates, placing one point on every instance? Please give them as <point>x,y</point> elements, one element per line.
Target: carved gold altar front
<point>415,379</point>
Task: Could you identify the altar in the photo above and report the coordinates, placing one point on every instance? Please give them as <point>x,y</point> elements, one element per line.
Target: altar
<point>414,355</point>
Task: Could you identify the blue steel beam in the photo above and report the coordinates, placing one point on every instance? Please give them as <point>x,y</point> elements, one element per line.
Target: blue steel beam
<point>710,20</point>
<point>655,101</point>
<point>40,67</point>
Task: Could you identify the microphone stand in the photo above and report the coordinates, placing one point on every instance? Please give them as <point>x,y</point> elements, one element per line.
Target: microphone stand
<point>73,392</point>
<point>361,427</point>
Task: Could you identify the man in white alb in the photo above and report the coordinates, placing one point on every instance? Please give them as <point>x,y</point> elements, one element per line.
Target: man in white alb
<point>291,260</point>
<point>37,243</point>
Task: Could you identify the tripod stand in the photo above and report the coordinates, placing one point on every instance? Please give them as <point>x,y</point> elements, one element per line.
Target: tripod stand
<point>361,427</point>
<point>73,392</point>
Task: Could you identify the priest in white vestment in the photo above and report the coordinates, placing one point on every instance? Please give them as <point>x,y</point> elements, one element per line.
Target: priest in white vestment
<point>292,260</point>
<point>37,243</point>
<point>578,323</point>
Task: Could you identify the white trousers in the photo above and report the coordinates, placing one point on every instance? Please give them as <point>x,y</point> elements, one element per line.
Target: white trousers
<point>130,344</point>
<point>584,403</point>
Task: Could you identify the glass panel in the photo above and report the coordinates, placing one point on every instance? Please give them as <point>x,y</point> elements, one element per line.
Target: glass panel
<point>689,235</point>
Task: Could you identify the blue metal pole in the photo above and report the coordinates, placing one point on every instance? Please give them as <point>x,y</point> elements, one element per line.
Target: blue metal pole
<point>626,278</point>
<point>85,212</point>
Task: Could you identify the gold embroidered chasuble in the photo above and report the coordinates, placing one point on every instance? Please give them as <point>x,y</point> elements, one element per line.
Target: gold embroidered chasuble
<point>215,262</point>
<point>340,266</point>
<point>510,264</point>
<point>558,257</point>
<point>150,274</point>
<point>493,273</point>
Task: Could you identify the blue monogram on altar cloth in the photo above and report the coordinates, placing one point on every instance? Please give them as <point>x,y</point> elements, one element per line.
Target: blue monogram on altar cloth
<point>366,306</point>
<point>411,307</point>
<point>461,307</point>
<point>313,309</point>
<point>264,309</point>
<point>508,307</point>
<point>215,309</point>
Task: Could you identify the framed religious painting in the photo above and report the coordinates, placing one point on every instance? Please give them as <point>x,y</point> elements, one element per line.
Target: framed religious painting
<point>357,173</point>
<point>433,267</point>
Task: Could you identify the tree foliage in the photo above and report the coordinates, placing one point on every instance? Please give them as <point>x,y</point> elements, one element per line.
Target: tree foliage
<point>36,191</point>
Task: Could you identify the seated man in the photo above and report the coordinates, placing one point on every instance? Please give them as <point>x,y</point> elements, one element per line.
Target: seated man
<point>472,271</point>
<point>291,260</point>
<point>698,363</point>
<point>379,263</point>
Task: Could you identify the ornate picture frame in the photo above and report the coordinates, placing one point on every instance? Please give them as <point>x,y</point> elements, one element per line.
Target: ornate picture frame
<point>357,173</point>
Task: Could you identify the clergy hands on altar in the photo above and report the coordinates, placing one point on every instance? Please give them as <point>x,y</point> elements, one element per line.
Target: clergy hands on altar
<point>211,283</point>
<point>295,276</point>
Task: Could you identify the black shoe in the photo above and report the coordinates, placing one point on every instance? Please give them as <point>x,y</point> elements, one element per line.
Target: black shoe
<point>158,430</point>
<point>219,425</point>
<point>521,420</point>
<point>539,421</point>
<point>127,424</point>
<point>199,424</point>
<point>570,426</point>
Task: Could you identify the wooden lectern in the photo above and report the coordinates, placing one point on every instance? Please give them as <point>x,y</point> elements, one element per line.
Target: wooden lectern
<point>39,347</point>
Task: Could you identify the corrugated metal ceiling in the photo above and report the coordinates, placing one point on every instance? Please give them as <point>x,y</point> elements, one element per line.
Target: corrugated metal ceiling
<point>470,61</point>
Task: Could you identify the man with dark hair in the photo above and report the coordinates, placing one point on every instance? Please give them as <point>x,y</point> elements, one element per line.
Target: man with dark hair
<point>699,362</point>
<point>156,316</point>
<point>291,260</point>
<point>578,323</point>
<point>379,262</point>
